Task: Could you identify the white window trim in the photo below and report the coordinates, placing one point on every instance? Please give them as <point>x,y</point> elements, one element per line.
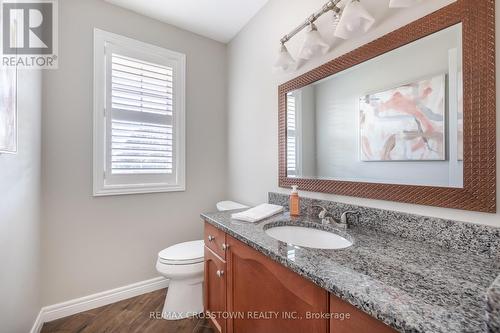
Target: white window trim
<point>100,188</point>
<point>299,135</point>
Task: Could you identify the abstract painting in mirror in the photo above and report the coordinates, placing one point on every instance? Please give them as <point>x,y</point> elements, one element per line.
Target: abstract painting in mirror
<point>406,123</point>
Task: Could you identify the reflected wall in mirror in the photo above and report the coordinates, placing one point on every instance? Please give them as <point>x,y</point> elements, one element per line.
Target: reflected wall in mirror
<point>393,119</point>
<point>409,117</point>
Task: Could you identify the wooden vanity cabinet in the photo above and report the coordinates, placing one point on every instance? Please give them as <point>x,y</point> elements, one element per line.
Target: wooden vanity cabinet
<point>271,294</point>
<point>215,290</point>
<point>358,322</point>
<point>246,292</point>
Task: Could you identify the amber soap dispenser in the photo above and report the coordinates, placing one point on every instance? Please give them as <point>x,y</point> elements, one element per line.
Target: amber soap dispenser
<point>294,202</point>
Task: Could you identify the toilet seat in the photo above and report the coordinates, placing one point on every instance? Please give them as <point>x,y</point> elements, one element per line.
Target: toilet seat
<point>187,253</point>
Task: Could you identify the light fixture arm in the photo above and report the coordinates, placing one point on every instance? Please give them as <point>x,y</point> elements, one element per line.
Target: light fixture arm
<point>330,5</point>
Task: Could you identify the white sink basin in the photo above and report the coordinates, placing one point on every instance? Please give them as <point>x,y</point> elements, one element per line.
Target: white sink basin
<point>308,237</point>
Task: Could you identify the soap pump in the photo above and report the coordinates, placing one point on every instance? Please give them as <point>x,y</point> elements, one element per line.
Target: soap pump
<point>294,202</point>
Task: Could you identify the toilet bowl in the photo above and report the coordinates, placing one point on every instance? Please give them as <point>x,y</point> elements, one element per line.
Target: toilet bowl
<point>182,264</point>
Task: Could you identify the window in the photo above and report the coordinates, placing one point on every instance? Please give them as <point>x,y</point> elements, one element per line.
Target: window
<point>139,117</point>
<point>293,138</point>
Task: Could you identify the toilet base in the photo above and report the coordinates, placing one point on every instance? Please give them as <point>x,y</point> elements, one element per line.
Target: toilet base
<point>184,299</point>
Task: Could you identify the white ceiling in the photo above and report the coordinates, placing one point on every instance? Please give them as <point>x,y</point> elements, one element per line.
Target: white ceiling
<point>216,19</point>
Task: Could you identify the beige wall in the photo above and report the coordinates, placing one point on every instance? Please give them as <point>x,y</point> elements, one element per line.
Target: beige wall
<point>95,244</point>
<point>20,214</point>
<point>252,100</point>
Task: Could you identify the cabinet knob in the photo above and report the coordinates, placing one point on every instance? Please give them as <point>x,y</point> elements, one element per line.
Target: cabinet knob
<point>211,238</point>
<point>220,273</point>
<point>225,247</point>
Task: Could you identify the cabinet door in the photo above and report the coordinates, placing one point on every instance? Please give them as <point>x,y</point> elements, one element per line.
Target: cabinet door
<point>265,297</point>
<point>348,319</point>
<point>215,289</point>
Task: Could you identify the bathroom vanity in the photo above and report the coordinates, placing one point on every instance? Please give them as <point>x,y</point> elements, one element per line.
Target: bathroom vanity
<point>265,296</point>
<point>384,282</point>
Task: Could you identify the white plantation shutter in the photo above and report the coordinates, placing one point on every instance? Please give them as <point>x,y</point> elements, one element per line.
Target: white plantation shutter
<point>138,117</point>
<point>291,126</point>
<point>141,147</point>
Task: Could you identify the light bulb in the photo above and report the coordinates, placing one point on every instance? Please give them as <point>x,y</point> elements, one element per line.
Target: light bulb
<point>354,25</point>
<point>285,60</point>
<point>355,20</point>
<point>313,44</point>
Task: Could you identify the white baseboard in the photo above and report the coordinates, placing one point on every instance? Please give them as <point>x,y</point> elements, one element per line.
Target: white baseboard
<point>37,326</point>
<point>61,310</point>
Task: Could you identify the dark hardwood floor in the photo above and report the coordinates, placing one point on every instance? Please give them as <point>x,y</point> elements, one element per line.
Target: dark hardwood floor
<point>132,315</point>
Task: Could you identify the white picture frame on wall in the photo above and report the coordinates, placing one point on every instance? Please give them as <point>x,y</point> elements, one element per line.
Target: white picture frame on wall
<point>8,111</point>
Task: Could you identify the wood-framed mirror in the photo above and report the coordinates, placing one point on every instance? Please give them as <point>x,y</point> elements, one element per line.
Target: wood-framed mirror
<point>409,117</point>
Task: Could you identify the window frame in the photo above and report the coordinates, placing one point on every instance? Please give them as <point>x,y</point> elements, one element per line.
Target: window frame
<point>103,42</point>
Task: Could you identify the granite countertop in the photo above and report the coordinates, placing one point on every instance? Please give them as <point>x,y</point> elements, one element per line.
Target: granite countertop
<point>410,285</point>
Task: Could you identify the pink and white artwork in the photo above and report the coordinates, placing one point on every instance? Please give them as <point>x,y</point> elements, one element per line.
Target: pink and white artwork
<point>405,123</point>
<point>8,112</point>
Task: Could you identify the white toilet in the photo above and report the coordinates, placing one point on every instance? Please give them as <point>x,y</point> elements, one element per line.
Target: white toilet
<point>183,265</point>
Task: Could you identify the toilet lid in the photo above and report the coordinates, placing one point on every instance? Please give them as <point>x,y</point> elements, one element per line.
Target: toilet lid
<point>183,253</point>
<point>229,205</point>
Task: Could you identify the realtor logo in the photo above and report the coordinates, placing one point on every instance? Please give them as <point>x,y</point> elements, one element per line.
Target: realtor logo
<point>29,33</point>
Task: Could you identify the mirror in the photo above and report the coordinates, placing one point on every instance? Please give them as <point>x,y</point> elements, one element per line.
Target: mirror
<point>408,117</point>
<point>394,119</point>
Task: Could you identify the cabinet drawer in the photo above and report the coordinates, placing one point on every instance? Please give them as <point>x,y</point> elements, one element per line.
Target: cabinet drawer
<point>215,240</point>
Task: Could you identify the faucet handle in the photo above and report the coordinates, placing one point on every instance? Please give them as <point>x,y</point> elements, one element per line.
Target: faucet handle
<point>323,212</point>
<point>327,220</point>
<point>343,218</point>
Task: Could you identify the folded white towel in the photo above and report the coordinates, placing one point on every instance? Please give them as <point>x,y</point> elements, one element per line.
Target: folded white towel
<point>258,213</point>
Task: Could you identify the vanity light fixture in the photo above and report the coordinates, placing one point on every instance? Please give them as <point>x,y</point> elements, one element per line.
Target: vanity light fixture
<point>313,44</point>
<point>354,21</point>
<point>349,20</point>
<point>402,3</point>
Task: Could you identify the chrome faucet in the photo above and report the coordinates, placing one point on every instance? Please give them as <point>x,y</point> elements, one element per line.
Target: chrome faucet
<point>327,218</point>
<point>344,218</point>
